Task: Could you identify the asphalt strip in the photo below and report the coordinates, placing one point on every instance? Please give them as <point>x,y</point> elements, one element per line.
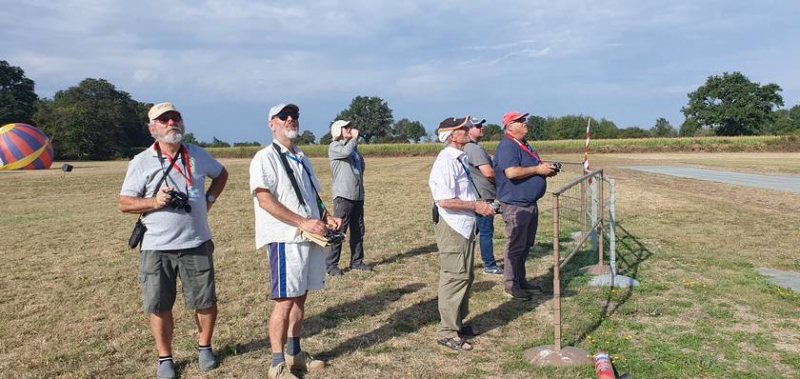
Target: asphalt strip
<point>779,183</point>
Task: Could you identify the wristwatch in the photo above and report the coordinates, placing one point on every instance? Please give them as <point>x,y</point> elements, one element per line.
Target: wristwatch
<point>211,198</point>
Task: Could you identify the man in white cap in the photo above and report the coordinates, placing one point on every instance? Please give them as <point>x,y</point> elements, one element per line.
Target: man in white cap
<point>287,204</point>
<point>166,185</point>
<point>454,222</point>
<point>347,169</point>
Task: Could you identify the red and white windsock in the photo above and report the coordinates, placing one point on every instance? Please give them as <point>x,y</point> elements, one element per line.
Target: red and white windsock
<point>586,148</point>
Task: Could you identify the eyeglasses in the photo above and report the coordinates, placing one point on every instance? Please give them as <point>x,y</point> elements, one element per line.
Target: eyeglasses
<point>285,115</point>
<point>164,118</point>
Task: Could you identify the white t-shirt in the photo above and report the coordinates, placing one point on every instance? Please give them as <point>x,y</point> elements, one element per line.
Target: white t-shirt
<point>449,180</point>
<point>267,171</point>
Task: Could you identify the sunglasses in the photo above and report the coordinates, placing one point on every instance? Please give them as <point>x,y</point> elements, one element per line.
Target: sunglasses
<point>283,116</point>
<point>164,118</point>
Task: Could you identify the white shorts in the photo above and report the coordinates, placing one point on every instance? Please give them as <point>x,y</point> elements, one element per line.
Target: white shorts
<point>295,268</point>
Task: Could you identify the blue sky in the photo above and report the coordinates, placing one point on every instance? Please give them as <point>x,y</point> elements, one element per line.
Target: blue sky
<point>224,63</point>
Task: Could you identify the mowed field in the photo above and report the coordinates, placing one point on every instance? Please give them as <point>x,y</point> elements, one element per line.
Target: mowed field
<point>71,308</point>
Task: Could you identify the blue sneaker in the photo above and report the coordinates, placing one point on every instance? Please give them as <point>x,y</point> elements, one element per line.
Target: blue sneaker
<point>166,369</point>
<point>493,270</point>
<point>206,360</point>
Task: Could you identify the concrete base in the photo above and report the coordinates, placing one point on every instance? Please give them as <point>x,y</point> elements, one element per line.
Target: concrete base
<point>786,279</point>
<point>617,281</point>
<point>548,356</point>
<point>596,270</point>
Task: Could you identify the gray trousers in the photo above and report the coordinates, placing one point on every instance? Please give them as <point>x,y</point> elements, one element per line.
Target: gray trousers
<point>457,257</point>
<point>352,214</point>
<point>521,224</point>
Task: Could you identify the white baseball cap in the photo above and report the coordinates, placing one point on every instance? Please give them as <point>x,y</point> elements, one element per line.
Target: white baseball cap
<point>278,108</point>
<point>336,128</point>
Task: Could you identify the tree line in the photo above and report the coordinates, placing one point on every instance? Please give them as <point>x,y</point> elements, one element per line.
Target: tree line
<point>94,120</point>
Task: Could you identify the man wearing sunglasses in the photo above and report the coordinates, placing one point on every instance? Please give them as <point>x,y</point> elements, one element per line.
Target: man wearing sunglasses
<point>177,241</point>
<point>482,174</point>
<point>521,179</point>
<point>287,204</point>
<point>347,169</point>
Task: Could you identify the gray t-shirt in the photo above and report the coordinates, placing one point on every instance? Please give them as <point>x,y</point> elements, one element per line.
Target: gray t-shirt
<point>477,156</point>
<point>167,228</point>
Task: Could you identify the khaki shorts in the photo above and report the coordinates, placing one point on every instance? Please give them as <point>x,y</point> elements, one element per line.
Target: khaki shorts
<point>160,269</point>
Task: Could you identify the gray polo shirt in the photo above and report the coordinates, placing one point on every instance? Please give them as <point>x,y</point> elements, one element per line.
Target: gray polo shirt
<point>477,156</point>
<point>347,168</point>
<point>167,228</point>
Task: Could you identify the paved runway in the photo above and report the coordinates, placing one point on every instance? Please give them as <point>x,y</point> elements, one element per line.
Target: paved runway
<point>780,183</point>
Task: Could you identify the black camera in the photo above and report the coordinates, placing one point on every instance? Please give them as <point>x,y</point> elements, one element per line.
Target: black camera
<point>334,237</point>
<point>556,167</point>
<point>495,204</point>
<point>179,201</point>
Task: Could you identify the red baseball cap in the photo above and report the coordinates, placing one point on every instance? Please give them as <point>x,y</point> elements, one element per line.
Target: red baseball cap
<point>512,116</point>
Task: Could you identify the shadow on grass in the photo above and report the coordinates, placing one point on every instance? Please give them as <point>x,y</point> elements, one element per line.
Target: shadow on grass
<point>431,248</point>
<point>631,252</point>
<point>365,306</point>
<point>404,321</point>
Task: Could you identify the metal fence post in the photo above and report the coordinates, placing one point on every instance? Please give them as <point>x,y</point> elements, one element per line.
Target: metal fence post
<point>612,225</point>
<point>556,276</point>
<point>600,224</point>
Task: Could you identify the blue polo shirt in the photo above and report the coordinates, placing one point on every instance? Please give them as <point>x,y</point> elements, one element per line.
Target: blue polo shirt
<point>520,192</point>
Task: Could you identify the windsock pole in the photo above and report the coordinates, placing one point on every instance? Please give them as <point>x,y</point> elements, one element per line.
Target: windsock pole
<point>586,169</point>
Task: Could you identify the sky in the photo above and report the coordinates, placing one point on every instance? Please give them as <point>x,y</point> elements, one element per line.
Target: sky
<point>224,63</point>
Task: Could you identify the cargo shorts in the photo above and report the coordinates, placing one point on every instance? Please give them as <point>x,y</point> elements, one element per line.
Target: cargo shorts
<point>160,269</point>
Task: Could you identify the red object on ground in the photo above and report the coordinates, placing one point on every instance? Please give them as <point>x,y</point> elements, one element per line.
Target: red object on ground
<point>603,367</point>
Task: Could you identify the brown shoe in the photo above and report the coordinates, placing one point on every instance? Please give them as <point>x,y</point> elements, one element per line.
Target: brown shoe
<point>303,362</point>
<point>280,371</point>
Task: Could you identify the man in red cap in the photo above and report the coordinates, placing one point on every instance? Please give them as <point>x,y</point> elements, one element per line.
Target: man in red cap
<point>520,176</point>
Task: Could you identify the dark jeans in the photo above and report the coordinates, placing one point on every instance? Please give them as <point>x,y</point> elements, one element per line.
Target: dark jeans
<point>486,234</point>
<point>521,224</point>
<point>352,215</point>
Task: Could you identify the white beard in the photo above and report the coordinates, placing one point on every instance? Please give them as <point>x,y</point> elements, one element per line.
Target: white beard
<point>172,138</point>
<point>290,134</point>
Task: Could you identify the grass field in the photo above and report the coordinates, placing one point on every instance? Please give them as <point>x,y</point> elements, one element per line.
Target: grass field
<point>635,145</point>
<point>71,306</point>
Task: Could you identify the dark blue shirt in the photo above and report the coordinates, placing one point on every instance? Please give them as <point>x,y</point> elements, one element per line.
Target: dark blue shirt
<point>521,192</point>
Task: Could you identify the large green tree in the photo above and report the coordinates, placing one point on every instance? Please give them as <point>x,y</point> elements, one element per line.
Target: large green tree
<point>663,128</point>
<point>732,105</point>
<point>405,130</point>
<point>17,96</point>
<point>371,115</point>
<point>93,120</point>
<point>306,138</point>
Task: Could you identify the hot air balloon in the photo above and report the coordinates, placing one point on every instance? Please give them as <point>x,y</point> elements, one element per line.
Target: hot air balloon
<point>24,147</point>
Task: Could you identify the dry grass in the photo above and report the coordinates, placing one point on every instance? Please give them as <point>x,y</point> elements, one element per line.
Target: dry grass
<point>72,306</point>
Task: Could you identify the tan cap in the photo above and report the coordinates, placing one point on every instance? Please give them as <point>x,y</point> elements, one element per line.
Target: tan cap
<point>159,109</point>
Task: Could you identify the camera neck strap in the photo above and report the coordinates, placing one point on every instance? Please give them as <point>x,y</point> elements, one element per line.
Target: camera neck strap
<point>166,171</point>
<point>292,179</point>
<point>466,169</point>
<point>182,153</point>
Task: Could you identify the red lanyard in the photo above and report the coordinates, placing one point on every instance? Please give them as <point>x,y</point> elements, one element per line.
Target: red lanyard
<point>525,148</point>
<point>184,157</point>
